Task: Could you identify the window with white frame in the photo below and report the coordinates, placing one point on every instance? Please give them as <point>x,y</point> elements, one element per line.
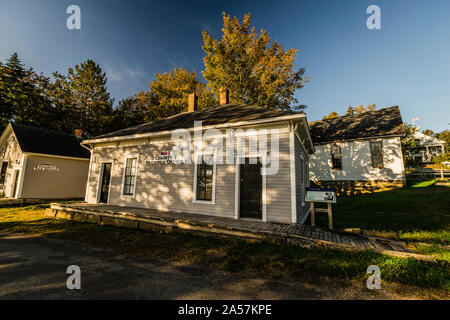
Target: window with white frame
<point>204,178</point>
<point>129,178</point>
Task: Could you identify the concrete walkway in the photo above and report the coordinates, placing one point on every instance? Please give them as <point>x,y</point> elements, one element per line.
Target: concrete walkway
<point>146,218</point>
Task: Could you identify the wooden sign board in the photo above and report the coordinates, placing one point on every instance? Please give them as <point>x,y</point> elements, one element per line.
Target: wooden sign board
<point>327,195</point>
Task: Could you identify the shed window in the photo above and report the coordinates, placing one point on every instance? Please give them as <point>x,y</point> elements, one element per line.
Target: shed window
<point>204,181</point>
<point>336,157</point>
<point>376,152</point>
<point>129,181</point>
<point>3,174</point>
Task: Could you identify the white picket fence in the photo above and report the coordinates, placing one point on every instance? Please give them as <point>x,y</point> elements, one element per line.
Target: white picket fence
<point>427,174</point>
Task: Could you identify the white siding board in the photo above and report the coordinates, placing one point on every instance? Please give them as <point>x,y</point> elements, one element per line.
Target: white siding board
<point>169,187</point>
<point>357,163</point>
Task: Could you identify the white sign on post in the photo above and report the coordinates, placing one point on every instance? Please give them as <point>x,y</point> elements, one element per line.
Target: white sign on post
<point>321,195</point>
<point>326,195</point>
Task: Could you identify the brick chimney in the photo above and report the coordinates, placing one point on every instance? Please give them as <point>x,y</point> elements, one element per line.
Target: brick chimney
<point>192,102</point>
<point>78,133</point>
<point>224,96</point>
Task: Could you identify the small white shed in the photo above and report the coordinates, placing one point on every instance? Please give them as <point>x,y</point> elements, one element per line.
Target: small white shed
<point>41,164</point>
<point>359,153</point>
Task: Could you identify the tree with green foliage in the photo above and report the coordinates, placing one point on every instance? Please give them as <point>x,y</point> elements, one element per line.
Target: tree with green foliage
<point>445,136</point>
<point>169,93</point>
<point>360,109</point>
<point>82,99</point>
<point>167,96</point>
<point>254,68</point>
<point>332,115</point>
<point>409,145</point>
<point>6,109</point>
<point>444,157</point>
<point>22,95</point>
<point>127,114</point>
<point>429,132</point>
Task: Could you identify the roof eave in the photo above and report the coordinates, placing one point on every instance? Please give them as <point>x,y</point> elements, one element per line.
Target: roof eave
<point>357,139</point>
<point>55,156</point>
<point>9,129</point>
<point>219,126</point>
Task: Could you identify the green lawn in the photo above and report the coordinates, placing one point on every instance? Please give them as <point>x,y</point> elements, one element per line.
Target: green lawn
<point>419,214</point>
<point>267,259</point>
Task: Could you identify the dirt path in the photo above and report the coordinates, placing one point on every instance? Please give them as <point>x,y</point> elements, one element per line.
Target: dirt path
<point>33,267</point>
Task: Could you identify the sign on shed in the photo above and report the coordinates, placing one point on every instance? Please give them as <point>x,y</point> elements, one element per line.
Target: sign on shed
<point>321,195</point>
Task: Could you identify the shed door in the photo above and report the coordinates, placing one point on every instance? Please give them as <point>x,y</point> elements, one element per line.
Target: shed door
<point>15,183</point>
<point>106,178</point>
<point>3,170</point>
<point>250,190</point>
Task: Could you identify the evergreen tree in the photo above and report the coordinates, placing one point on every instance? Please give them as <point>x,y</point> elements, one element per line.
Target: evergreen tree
<point>127,114</point>
<point>82,99</point>
<point>22,95</point>
<point>6,109</point>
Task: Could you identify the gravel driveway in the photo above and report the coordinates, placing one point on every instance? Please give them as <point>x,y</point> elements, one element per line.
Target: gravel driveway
<point>34,267</point>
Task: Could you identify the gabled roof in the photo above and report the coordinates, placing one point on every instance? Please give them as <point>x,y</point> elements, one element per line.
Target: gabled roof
<point>425,140</point>
<point>230,113</point>
<point>50,142</point>
<point>370,124</point>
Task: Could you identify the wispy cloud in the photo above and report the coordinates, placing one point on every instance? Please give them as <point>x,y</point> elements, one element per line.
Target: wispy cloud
<point>135,74</point>
<point>125,73</point>
<point>113,75</point>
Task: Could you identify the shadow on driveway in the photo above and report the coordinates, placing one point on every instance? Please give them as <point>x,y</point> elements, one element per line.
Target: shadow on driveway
<point>33,267</point>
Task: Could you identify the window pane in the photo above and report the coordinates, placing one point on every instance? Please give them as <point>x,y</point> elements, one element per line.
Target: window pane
<point>376,149</point>
<point>336,158</point>
<point>204,181</point>
<point>130,176</point>
<point>3,173</point>
<point>133,166</point>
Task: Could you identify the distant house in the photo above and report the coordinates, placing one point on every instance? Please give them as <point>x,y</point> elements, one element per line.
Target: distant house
<point>429,147</point>
<point>41,164</point>
<point>358,153</point>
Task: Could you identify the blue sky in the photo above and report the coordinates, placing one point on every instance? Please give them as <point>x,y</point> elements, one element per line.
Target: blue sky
<point>406,63</point>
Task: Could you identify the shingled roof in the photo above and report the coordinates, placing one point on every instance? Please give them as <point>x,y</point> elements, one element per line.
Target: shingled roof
<point>230,113</point>
<point>37,140</point>
<point>370,124</point>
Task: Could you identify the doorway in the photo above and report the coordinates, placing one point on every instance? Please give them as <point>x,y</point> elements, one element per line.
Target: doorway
<point>250,199</point>
<point>105,182</point>
<point>15,184</point>
<point>3,171</point>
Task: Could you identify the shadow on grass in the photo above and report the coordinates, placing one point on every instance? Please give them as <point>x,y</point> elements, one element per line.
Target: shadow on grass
<point>422,212</point>
<point>268,259</point>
